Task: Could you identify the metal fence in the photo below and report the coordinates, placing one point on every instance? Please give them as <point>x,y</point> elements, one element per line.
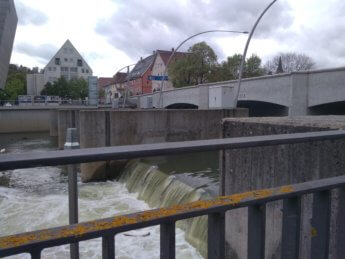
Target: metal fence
<point>35,242</point>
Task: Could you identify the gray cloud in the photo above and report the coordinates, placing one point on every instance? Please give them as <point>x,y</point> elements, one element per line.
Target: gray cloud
<point>43,52</point>
<point>28,15</point>
<point>137,28</point>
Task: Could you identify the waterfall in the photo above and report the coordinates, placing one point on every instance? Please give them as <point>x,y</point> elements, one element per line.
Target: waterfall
<point>161,190</point>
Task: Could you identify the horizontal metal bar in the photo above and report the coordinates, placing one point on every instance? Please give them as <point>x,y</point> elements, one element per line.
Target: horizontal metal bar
<point>61,157</point>
<point>22,243</point>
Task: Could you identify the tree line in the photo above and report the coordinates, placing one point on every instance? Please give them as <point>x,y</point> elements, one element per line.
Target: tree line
<point>200,65</point>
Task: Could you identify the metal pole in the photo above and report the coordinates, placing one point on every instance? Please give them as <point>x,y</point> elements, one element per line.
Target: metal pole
<point>72,143</point>
<point>245,52</point>
<point>126,90</point>
<point>175,50</point>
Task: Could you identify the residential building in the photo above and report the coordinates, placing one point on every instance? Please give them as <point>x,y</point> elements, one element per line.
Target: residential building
<point>103,83</point>
<point>8,26</point>
<point>139,82</point>
<point>67,63</point>
<point>159,65</point>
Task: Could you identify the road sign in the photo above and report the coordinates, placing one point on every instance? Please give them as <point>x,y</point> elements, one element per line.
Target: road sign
<point>158,78</point>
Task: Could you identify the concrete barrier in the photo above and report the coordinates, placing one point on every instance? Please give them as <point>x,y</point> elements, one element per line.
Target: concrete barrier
<point>128,127</point>
<point>264,167</point>
<point>16,120</point>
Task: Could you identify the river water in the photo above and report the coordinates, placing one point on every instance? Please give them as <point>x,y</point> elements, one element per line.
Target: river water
<point>32,199</point>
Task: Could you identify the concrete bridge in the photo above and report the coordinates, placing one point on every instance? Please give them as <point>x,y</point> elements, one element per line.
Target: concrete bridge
<point>297,93</point>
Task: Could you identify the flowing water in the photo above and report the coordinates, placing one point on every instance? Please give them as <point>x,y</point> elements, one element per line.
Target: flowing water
<point>32,199</point>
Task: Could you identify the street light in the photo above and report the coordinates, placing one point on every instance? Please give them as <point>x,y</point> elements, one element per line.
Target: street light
<point>175,50</point>
<point>127,84</point>
<point>245,51</point>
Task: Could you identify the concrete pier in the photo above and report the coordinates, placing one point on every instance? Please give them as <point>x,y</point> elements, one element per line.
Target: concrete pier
<point>264,167</point>
<point>128,127</point>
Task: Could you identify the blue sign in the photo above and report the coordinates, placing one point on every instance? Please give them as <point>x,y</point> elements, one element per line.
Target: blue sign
<point>158,78</point>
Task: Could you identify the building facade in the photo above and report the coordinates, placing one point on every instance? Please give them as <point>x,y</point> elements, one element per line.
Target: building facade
<point>139,82</point>
<point>67,63</point>
<point>8,26</point>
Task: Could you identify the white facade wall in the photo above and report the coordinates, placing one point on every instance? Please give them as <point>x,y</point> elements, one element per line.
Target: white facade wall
<point>158,70</point>
<point>34,84</point>
<point>67,62</point>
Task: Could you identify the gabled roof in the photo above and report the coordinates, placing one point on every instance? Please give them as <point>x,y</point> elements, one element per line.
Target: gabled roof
<point>104,81</point>
<point>165,55</point>
<point>69,44</point>
<point>142,66</point>
<point>120,77</point>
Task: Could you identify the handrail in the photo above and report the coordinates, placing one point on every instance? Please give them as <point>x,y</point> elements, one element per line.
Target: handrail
<point>26,242</point>
<point>63,157</point>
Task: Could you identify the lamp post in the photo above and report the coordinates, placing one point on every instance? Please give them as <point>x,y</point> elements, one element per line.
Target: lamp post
<point>175,50</point>
<point>245,51</point>
<point>127,83</point>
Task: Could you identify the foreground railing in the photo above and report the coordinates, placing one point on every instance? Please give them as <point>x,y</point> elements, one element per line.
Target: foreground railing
<point>35,242</point>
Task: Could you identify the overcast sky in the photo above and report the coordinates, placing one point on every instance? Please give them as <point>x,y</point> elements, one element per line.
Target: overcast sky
<point>111,34</point>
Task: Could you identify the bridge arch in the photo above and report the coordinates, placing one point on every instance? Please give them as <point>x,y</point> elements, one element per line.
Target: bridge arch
<point>182,106</point>
<point>332,108</point>
<point>263,109</point>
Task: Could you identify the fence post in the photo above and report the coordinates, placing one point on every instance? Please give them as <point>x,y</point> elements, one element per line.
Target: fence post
<point>72,143</point>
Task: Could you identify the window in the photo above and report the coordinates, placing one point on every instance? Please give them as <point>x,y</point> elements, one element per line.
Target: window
<point>49,69</point>
<point>57,61</point>
<point>66,59</point>
<point>87,71</point>
<point>79,63</point>
<point>82,70</point>
<point>74,69</point>
<point>64,69</point>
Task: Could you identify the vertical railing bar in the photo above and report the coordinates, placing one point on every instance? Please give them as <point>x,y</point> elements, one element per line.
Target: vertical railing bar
<point>320,224</point>
<point>108,247</point>
<point>167,240</point>
<point>340,232</point>
<point>216,236</point>
<point>291,228</point>
<point>36,254</point>
<point>256,231</point>
<point>72,143</point>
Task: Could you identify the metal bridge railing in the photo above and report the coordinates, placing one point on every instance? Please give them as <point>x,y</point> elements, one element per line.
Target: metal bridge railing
<point>35,242</point>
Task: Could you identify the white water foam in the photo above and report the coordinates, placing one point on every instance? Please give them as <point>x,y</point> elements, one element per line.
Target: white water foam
<point>38,199</point>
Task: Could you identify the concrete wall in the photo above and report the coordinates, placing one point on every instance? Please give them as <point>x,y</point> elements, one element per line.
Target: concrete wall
<point>14,120</point>
<point>34,84</point>
<point>128,127</point>
<point>264,167</point>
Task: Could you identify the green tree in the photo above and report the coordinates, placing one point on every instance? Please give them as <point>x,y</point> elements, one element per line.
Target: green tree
<point>15,84</point>
<point>229,70</point>
<point>195,68</point>
<point>78,88</point>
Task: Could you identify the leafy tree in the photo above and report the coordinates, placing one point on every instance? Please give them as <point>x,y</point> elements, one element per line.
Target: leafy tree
<point>229,70</point>
<point>290,61</point>
<point>195,68</point>
<point>75,88</point>
<point>16,82</point>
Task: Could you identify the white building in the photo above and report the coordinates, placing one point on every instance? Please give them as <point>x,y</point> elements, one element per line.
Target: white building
<point>159,65</point>
<point>67,63</point>
<point>8,26</point>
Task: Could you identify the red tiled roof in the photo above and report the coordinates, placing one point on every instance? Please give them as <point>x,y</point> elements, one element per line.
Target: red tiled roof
<point>104,81</point>
<point>120,77</point>
<point>165,54</point>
